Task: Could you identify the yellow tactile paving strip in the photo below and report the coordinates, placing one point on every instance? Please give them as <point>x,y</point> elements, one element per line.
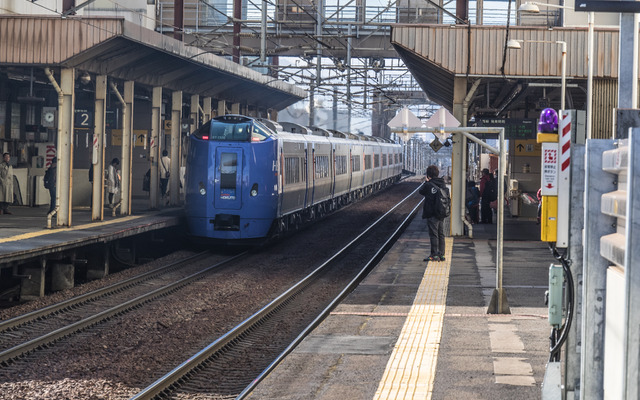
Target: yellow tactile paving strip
<point>43,232</point>
<point>411,369</point>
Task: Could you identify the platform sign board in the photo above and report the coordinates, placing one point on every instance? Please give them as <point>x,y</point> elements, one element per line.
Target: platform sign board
<point>514,128</point>
<point>549,172</point>
<point>607,6</point>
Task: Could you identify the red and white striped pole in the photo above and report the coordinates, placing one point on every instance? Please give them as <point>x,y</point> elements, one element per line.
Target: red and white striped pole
<point>565,127</point>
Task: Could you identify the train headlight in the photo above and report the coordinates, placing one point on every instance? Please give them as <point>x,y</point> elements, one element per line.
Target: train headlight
<point>254,190</point>
<point>202,189</point>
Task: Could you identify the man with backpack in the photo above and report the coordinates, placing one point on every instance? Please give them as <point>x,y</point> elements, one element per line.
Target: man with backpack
<point>436,207</point>
<point>489,193</point>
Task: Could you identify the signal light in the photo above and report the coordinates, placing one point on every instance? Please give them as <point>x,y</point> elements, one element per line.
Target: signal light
<point>254,190</point>
<point>205,138</point>
<point>548,121</point>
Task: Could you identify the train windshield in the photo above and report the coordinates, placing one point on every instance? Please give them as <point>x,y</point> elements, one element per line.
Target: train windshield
<point>233,129</point>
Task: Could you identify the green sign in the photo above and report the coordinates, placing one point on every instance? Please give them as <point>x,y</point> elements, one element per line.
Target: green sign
<point>514,128</point>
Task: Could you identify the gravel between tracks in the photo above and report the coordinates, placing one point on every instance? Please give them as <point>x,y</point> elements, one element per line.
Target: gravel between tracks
<point>121,357</point>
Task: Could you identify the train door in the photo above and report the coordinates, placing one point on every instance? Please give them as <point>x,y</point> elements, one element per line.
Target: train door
<point>228,188</point>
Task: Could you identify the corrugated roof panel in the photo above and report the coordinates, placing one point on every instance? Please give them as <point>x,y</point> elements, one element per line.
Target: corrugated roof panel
<point>446,46</point>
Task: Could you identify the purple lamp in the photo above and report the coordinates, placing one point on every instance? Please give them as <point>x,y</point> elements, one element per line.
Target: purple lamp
<point>548,121</point>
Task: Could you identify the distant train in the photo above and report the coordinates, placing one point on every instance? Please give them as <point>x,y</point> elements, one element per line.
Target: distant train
<point>250,178</point>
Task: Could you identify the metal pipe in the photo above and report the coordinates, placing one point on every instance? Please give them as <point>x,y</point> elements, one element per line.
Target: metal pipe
<point>50,216</point>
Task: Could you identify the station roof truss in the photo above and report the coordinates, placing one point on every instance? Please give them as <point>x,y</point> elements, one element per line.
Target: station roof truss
<point>123,50</point>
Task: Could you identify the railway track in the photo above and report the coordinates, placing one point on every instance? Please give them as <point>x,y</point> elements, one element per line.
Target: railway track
<point>41,328</point>
<point>232,365</point>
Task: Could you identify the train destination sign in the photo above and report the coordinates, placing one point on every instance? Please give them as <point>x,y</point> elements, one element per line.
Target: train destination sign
<point>514,128</point>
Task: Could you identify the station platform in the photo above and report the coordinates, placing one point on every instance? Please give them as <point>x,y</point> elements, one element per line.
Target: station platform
<point>418,330</point>
<point>24,232</point>
<point>35,260</point>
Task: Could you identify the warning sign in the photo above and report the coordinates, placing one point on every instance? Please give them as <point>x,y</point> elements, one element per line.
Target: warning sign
<point>549,170</point>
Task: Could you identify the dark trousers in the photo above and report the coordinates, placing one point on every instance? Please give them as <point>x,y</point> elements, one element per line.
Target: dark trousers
<point>163,185</point>
<point>486,213</point>
<point>436,235</point>
<point>52,195</point>
<point>4,206</point>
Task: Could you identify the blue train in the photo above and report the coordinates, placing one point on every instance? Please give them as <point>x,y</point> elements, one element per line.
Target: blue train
<point>250,178</point>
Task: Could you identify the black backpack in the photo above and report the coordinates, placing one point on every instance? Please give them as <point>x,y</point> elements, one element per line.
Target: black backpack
<point>48,179</point>
<point>442,205</point>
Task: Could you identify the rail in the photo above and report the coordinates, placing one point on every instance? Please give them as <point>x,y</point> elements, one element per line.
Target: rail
<point>173,378</point>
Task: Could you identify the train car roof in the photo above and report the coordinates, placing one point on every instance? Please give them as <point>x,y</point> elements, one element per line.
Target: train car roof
<point>295,128</point>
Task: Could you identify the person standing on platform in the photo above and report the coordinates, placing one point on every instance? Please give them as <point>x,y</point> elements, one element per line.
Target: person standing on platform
<point>165,167</point>
<point>113,180</point>
<point>435,193</point>
<point>488,194</point>
<point>6,184</point>
<point>50,180</point>
<point>473,201</point>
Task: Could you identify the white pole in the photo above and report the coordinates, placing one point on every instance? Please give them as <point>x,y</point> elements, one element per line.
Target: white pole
<point>590,75</point>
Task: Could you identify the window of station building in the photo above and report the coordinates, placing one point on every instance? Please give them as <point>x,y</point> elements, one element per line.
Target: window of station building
<point>376,161</point>
<point>355,163</point>
<point>322,167</point>
<point>367,161</point>
<point>291,170</point>
<point>341,165</point>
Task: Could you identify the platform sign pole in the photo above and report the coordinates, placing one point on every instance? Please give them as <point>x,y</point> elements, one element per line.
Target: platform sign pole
<point>97,159</point>
<point>154,148</point>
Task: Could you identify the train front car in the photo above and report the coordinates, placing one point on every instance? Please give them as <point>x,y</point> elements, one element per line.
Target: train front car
<point>231,179</point>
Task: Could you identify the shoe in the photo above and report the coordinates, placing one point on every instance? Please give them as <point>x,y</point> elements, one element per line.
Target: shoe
<point>432,258</point>
<point>441,258</point>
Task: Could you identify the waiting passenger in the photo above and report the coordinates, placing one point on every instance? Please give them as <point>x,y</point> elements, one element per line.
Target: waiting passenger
<point>430,190</point>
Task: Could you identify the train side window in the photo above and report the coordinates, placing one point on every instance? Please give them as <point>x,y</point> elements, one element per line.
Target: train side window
<point>291,170</point>
<point>341,165</point>
<point>258,134</point>
<point>203,131</point>
<point>355,163</point>
<point>376,161</point>
<point>367,161</point>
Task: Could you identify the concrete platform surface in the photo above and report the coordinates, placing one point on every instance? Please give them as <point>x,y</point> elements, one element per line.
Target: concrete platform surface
<point>417,330</point>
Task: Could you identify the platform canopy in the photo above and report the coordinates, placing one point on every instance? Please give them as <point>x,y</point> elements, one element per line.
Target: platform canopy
<point>120,49</point>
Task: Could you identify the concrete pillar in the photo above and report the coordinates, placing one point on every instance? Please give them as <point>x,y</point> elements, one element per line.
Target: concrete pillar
<point>33,287</point>
<point>206,107</point>
<point>155,145</point>
<point>176,117</point>
<point>235,108</point>
<point>98,266</point>
<point>62,277</point>
<point>222,107</point>
<point>97,155</point>
<point>127,149</point>
<point>195,113</point>
<point>458,160</point>
<point>65,147</point>
<point>272,114</point>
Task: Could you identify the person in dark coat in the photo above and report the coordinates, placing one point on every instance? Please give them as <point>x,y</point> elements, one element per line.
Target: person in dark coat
<point>429,190</point>
<point>473,201</point>
<point>488,193</point>
<point>50,178</point>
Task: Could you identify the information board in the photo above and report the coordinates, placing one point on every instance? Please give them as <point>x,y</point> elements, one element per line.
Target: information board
<point>514,128</point>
